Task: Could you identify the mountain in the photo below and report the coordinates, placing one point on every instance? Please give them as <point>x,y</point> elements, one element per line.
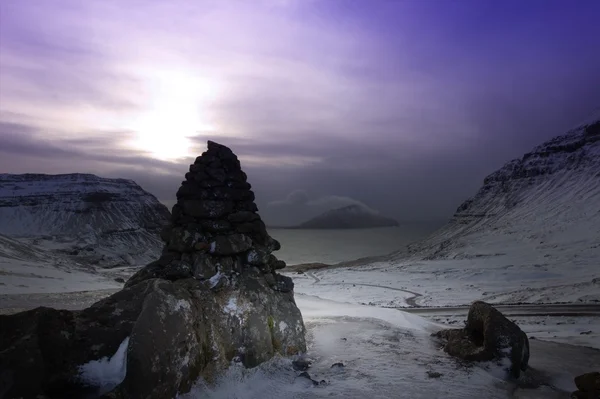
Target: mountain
<point>348,217</point>
<point>101,221</point>
<point>546,204</point>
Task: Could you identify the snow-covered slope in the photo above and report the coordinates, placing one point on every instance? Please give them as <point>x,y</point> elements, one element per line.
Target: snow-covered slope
<point>112,221</point>
<point>348,217</point>
<point>547,202</point>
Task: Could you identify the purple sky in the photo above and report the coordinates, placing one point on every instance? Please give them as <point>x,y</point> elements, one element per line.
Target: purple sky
<point>402,105</point>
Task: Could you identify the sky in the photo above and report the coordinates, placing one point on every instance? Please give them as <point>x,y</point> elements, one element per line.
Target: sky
<point>403,106</point>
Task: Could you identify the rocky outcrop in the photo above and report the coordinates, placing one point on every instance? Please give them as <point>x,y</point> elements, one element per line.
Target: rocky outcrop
<point>215,231</point>
<point>588,386</point>
<point>108,222</point>
<point>212,298</point>
<point>488,335</point>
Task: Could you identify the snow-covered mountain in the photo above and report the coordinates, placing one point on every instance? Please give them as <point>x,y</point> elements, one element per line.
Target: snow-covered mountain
<point>548,198</point>
<point>348,217</point>
<point>103,221</point>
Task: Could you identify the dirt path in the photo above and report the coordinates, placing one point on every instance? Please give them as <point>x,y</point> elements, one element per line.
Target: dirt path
<point>515,310</point>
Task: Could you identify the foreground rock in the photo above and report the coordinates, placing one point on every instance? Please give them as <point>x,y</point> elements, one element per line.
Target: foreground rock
<point>214,296</point>
<point>487,336</point>
<point>588,386</point>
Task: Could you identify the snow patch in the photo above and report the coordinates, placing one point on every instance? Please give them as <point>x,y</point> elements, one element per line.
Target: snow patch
<point>283,326</point>
<point>214,280</point>
<point>234,308</point>
<point>106,372</point>
<point>181,304</point>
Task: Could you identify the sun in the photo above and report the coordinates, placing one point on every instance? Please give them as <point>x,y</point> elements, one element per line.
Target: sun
<point>165,129</point>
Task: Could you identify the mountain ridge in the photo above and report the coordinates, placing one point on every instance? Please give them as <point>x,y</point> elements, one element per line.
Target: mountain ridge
<point>550,190</point>
<point>348,217</point>
<point>83,214</point>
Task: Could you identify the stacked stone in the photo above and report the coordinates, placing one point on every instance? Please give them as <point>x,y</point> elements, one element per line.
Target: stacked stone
<point>216,231</point>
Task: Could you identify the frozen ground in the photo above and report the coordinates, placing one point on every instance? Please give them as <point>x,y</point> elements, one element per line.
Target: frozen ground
<point>389,354</point>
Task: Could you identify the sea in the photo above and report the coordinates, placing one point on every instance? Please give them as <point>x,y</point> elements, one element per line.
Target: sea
<point>331,246</point>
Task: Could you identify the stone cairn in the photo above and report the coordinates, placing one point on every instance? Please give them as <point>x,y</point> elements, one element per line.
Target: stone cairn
<point>215,231</point>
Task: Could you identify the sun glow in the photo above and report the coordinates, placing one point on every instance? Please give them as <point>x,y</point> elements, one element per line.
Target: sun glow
<point>176,113</point>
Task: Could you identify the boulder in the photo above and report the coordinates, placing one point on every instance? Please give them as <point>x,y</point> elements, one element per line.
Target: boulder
<point>488,335</point>
<point>233,244</point>
<point>588,386</point>
<point>185,316</point>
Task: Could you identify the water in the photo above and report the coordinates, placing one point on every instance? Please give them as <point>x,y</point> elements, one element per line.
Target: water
<point>334,246</point>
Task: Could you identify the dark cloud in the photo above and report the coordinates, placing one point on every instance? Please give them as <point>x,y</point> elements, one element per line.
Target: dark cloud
<point>403,107</point>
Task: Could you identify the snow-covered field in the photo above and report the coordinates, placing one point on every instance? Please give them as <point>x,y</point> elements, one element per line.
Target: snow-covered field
<point>388,353</point>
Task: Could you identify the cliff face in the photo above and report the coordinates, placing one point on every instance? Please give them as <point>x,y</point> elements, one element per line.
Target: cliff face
<point>550,194</point>
<point>101,218</point>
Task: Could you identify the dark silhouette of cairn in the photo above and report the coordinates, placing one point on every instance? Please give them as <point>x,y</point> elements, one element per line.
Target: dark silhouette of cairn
<point>215,231</point>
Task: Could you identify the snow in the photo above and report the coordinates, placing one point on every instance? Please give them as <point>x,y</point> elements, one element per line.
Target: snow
<point>234,307</point>
<point>313,307</point>
<point>214,280</point>
<point>22,277</point>
<point>181,304</point>
<point>231,307</point>
<point>106,373</point>
<point>384,352</point>
<point>283,326</point>
<point>101,221</point>
<point>530,235</point>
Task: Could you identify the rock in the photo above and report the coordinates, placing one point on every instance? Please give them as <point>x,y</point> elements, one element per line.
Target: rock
<point>488,335</point>
<point>434,374</point>
<point>301,364</point>
<point>204,266</point>
<point>588,386</point>
<point>337,365</point>
<point>175,331</point>
<point>246,206</point>
<point>308,377</point>
<point>242,217</point>
<point>183,239</point>
<point>209,209</point>
<point>270,279</point>
<point>272,244</point>
<point>120,280</point>
<point>216,226</point>
<point>185,316</point>
<point>258,256</point>
<point>231,245</point>
<point>283,283</point>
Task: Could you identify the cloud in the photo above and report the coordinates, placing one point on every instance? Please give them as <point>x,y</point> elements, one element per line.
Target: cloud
<point>297,207</point>
<point>405,106</point>
<point>296,197</point>
<point>336,201</point>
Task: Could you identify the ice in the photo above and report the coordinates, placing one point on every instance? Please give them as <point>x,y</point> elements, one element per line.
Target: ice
<point>106,373</point>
